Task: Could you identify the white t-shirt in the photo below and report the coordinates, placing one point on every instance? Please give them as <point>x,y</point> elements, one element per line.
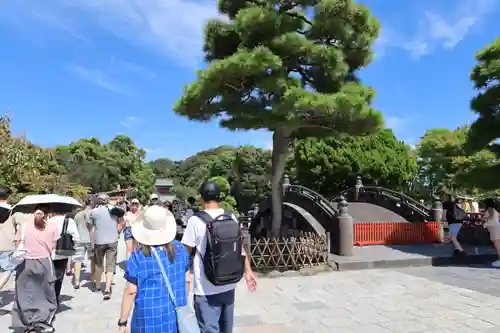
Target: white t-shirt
<point>130,218</point>
<point>195,235</point>
<point>491,218</point>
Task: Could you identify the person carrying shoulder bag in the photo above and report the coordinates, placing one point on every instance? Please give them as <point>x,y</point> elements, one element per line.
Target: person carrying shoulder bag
<point>65,247</point>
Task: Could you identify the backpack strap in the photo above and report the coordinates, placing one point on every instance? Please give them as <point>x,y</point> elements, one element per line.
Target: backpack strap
<point>65,225</point>
<point>204,216</point>
<point>207,218</point>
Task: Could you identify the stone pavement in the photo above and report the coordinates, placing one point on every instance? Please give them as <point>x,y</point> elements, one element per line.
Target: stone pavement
<point>423,299</point>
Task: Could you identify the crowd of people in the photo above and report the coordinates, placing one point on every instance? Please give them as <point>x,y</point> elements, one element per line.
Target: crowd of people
<point>454,213</point>
<point>200,256</point>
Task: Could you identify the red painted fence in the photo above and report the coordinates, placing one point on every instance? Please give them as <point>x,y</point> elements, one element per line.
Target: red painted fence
<point>371,233</point>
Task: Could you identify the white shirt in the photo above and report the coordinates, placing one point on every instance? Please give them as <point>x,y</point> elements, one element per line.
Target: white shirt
<point>72,230</point>
<point>195,236</point>
<point>491,218</point>
<point>130,218</point>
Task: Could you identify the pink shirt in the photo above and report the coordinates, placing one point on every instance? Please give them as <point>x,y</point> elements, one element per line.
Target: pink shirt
<point>38,243</point>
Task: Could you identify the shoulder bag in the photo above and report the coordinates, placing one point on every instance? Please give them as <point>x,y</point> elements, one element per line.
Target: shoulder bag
<point>186,318</point>
<point>65,245</point>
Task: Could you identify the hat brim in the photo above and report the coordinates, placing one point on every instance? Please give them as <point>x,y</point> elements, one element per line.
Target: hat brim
<point>154,237</point>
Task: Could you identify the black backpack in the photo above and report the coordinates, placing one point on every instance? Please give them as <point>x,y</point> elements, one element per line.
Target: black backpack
<point>455,213</point>
<point>65,245</point>
<point>223,259</point>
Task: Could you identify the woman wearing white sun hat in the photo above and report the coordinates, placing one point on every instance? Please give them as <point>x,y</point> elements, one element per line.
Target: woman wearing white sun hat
<point>154,231</point>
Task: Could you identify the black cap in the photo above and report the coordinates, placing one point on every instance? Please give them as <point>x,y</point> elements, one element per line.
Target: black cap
<point>210,191</point>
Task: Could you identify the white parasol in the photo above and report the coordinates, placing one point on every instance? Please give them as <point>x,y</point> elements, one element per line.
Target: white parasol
<point>29,203</point>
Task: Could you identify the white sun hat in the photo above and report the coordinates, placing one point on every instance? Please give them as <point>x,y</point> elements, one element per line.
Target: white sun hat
<point>154,226</point>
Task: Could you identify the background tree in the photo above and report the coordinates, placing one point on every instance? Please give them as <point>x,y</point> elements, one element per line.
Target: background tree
<point>289,67</point>
<point>485,130</point>
<point>28,169</point>
<point>247,168</point>
<point>331,165</point>
<point>165,168</point>
<point>227,202</point>
<point>445,165</point>
<point>104,167</point>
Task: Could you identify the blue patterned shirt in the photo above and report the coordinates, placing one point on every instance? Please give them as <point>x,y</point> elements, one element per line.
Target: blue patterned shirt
<point>154,311</point>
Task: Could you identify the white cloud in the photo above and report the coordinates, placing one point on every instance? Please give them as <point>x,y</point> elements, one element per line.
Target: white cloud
<point>98,78</point>
<point>131,121</point>
<point>439,30</point>
<point>173,28</point>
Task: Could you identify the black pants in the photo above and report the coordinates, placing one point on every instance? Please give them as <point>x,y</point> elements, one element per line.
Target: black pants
<point>59,272</point>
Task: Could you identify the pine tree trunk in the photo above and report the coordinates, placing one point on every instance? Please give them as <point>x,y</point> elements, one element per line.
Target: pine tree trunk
<point>281,141</point>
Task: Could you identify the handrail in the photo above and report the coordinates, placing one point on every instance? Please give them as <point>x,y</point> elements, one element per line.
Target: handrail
<point>318,198</point>
<point>409,200</point>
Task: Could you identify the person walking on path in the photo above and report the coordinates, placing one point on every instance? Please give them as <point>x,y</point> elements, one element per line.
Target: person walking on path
<point>491,219</point>
<point>146,291</point>
<point>214,304</point>
<point>7,232</point>
<point>106,230</point>
<point>130,217</point>
<point>83,247</point>
<point>455,216</point>
<point>35,303</point>
<point>62,222</point>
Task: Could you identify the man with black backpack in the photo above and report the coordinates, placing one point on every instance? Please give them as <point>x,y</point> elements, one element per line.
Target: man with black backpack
<point>215,239</point>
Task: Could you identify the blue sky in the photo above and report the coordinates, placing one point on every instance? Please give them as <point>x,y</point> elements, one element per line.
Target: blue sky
<point>73,69</point>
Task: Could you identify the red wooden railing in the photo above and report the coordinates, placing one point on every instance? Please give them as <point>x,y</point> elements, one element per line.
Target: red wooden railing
<point>370,233</point>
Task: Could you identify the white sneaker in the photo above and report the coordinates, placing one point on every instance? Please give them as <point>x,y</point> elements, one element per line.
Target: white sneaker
<point>496,264</point>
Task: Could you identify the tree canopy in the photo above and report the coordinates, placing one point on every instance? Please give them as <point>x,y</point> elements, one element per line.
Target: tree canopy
<point>29,169</point>
<point>331,165</point>
<point>82,166</point>
<point>289,67</point>
<point>104,167</point>
<point>485,131</point>
<point>246,168</point>
<point>446,165</point>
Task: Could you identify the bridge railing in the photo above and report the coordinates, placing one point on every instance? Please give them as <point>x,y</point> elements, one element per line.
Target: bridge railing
<point>320,200</point>
<point>396,196</point>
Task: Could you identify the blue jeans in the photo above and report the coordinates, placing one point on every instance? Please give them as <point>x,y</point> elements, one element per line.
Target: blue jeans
<point>215,313</point>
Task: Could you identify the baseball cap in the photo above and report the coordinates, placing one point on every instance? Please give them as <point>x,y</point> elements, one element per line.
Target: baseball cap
<point>103,197</point>
<point>210,191</point>
<point>153,196</point>
<point>135,201</point>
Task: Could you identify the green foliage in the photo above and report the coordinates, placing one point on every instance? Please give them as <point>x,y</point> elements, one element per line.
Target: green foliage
<point>289,67</point>
<point>331,165</point>
<point>445,164</point>
<point>227,201</point>
<point>486,79</point>
<point>104,167</point>
<point>247,169</point>
<point>28,169</point>
<point>164,168</point>
<point>271,67</point>
<point>485,131</point>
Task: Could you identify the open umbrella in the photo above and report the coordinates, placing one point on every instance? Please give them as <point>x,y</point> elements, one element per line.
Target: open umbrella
<point>4,212</point>
<point>63,203</point>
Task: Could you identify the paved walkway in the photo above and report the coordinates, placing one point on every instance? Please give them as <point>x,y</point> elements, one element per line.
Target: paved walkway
<point>423,299</point>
